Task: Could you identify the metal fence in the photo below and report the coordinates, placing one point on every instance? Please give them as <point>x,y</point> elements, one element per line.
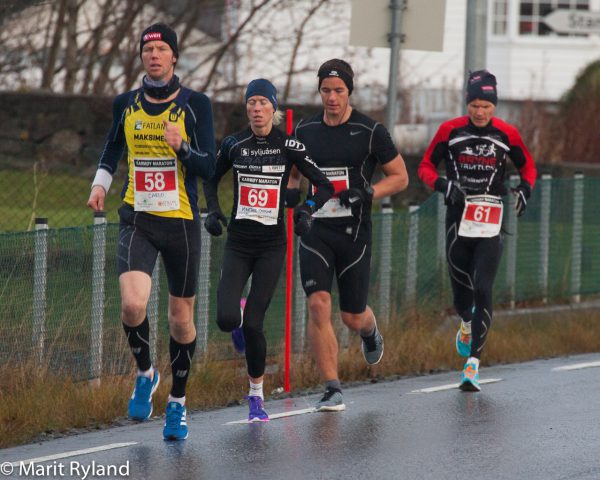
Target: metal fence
<point>59,297</point>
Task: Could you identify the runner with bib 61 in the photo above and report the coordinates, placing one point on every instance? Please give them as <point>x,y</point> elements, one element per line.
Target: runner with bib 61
<point>473,149</point>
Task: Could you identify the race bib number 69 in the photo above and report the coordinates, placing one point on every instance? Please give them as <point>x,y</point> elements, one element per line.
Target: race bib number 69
<point>258,198</point>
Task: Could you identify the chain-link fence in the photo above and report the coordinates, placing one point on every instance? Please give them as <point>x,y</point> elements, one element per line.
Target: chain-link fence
<point>59,297</point>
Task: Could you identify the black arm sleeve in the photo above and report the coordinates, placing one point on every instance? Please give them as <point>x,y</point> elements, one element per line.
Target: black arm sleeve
<point>115,143</point>
<point>223,164</point>
<point>309,169</point>
<point>199,125</point>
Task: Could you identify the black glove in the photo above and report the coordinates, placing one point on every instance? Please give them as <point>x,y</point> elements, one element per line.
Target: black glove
<point>303,218</point>
<point>292,197</point>
<point>356,196</point>
<point>453,193</point>
<point>521,193</point>
<point>212,225</point>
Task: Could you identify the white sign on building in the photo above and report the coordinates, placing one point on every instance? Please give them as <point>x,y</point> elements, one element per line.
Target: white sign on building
<point>573,21</point>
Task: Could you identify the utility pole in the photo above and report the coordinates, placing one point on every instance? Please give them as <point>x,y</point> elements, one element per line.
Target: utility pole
<point>395,38</point>
<point>475,38</point>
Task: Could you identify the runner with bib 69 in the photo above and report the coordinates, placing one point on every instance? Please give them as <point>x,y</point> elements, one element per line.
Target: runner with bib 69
<point>261,158</point>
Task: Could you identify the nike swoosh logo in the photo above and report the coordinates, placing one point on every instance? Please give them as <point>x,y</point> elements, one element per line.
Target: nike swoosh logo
<point>354,133</point>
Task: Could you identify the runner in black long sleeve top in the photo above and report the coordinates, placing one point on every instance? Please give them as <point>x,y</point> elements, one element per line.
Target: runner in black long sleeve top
<point>261,158</point>
<point>261,168</point>
<point>474,149</point>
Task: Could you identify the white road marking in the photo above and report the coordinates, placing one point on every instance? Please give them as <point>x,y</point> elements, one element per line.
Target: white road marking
<point>576,366</point>
<point>276,415</point>
<point>74,453</point>
<point>452,386</point>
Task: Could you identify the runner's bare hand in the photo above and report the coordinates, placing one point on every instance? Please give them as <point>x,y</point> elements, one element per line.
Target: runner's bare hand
<point>96,200</point>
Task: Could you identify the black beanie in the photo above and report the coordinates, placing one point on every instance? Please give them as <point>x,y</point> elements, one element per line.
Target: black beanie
<point>160,31</point>
<point>482,85</point>
<point>337,68</point>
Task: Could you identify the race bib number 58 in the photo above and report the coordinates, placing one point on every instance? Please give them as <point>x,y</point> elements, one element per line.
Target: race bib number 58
<point>155,184</point>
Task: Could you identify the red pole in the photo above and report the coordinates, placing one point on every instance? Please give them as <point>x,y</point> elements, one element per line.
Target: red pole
<point>289,271</point>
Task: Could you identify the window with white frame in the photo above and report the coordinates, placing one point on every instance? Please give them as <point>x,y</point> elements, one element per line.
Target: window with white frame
<point>500,17</point>
<point>532,13</point>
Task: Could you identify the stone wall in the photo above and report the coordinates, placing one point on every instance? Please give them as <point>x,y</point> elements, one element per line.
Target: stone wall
<point>70,129</point>
<point>67,132</point>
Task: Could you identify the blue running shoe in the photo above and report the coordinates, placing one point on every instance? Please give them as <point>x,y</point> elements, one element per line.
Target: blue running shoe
<point>257,409</point>
<point>237,335</point>
<point>463,341</point>
<point>140,404</point>
<point>238,339</point>
<point>176,422</point>
<point>469,380</point>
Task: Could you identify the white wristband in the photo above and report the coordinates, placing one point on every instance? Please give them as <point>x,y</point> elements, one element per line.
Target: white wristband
<point>102,178</point>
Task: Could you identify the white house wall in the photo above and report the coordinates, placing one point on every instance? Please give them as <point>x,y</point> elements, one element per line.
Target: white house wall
<point>538,71</point>
<point>537,67</point>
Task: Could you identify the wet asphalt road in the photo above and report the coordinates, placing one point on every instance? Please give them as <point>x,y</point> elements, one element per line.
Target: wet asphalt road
<point>534,424</point>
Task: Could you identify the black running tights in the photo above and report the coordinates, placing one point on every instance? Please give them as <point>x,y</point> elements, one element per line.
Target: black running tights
<point>265,267</point>
<point>472,265</point>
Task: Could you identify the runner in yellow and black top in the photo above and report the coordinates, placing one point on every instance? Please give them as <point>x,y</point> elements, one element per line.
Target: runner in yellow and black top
<point>167,130</point>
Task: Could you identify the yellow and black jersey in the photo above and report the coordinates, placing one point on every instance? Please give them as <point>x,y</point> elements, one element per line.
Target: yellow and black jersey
<point>159,181</point>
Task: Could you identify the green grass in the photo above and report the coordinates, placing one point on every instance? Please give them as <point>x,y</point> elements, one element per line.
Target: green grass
<point>62,198</point>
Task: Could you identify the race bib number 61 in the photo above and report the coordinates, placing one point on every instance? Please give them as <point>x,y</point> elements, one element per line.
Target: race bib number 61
<point>482,216</point>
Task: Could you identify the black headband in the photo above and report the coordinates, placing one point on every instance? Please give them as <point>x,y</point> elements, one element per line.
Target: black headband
<point>337,68</point>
